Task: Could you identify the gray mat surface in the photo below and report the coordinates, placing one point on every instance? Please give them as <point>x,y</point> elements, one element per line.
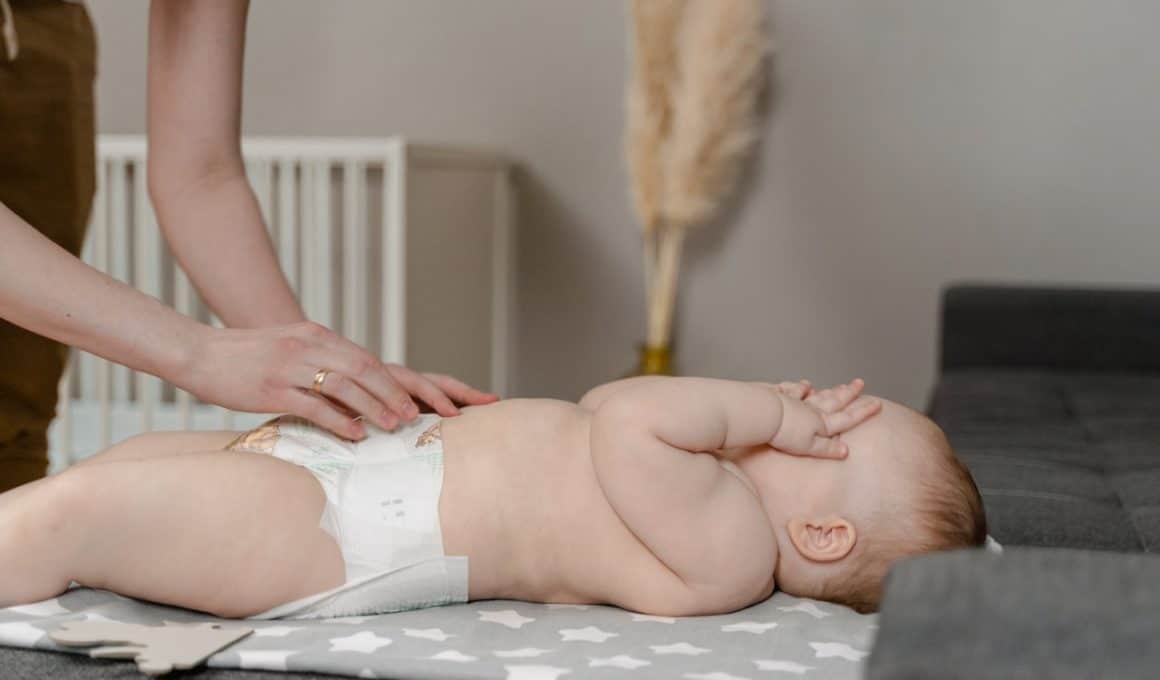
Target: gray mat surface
<point>782,637</point>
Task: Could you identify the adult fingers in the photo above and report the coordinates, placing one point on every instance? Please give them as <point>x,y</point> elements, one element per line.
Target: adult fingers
<point>374,377</point>
<point>321,412</point>
<point>342,389</point>
<point>460,391</point>
<point>424,389</point>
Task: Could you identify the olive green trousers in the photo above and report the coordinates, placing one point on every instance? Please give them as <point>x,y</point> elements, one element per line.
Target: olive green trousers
<point>47,168</point>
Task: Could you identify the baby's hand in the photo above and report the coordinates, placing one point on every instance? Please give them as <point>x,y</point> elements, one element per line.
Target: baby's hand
<point>808,426</point>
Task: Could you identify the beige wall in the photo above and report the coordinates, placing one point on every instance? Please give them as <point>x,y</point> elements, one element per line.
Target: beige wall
<point>910,143</point>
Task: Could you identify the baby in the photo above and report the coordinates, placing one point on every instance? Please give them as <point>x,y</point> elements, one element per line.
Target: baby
<point>667,496</point>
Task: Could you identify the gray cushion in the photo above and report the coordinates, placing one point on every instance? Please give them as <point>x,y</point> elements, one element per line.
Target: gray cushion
<point>1030,613</point>
<point>1062,459</point>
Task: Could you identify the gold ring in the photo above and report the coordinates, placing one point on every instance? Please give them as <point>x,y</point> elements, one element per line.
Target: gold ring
<point>319,378</point>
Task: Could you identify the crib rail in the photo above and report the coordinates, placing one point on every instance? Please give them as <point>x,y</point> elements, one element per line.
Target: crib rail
<point>333,213</point>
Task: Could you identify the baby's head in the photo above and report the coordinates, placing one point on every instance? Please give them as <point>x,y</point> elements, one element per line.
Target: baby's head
<point>840,525</point>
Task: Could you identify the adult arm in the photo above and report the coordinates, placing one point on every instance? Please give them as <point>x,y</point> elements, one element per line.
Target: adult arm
<point>48,291</point>
<point>197,179</point>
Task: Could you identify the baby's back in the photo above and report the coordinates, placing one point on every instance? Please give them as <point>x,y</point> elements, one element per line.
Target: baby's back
<point>521,500</point>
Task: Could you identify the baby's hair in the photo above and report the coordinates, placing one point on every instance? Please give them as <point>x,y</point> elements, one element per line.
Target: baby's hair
<point>947,513</point>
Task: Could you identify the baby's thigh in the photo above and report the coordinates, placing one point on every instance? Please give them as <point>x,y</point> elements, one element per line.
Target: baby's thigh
<point>161,444</point>
<point>225,532</point>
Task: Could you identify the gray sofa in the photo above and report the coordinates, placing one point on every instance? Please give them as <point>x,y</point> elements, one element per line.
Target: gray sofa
<point>1052,399</point>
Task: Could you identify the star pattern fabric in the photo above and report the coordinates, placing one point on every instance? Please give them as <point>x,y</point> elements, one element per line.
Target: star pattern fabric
<point>265,659</point>
<point>427,634</point>
<point>505,617</point>
<point>782,666</point>
<point>535,672</point>
<point>521,653</point>
<point>806,608</point>
<point>680,648</point>
<point>748,627</point>
<point>586,634</point>
<point>618,661</point>
<point>783,637</point>
<point>365,642</point>
<point>841,650</point>
<point>453,655</point>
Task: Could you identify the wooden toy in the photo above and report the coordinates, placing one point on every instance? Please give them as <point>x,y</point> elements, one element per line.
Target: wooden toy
<point>156,649</point>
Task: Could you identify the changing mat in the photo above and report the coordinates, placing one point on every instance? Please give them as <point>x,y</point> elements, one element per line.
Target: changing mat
<point>783,637</point>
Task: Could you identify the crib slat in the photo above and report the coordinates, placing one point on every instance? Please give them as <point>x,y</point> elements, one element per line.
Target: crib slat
<point>354,252</point>
<point>287,238</point>
<point>316,240</point>
<point>394,282</point>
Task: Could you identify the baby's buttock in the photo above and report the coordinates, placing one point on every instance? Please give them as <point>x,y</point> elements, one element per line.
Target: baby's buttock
<point>382,510</point>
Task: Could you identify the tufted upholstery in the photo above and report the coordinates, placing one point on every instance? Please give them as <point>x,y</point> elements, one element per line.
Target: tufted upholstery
<point>1066,460</point>
<point>1052,399</point>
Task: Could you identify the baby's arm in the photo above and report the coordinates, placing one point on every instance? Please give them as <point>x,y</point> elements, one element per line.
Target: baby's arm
<point>596,396</point>
<point>654,449</point>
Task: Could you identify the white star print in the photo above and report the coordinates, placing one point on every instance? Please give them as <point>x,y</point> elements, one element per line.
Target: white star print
<point>748,627</point>
<point>93,616</point>
<point>715,675</point>
<point>427,634</point>
<point>824,650</point>
<point>264,659</point>
<point>521,653</point>
<point>367,673</point>
<point>46,608</point>
<point>365,642</point>
<point>20,634</point>
<point>581,607</point>
<point>505,617</point>
<point>274,631</point>
<point>679,648</point>
<point>785,666</point>
<point>619,661</point>
<point>586,634</point>
<point>806,608</point>
<point>534,672</point>
<point>452,655</point>
<point>654,619</point>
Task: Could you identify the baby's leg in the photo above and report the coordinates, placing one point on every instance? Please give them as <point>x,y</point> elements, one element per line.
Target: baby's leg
<point>157,444</point>
<point>229,533</point>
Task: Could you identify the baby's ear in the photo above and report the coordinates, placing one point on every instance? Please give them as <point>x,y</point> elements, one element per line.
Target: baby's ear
<point>825,539</point>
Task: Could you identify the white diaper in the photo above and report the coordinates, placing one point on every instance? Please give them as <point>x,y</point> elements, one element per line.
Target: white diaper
<point>383,511</point>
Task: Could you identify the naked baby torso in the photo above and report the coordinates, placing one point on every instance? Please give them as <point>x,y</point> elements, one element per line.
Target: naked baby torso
<point>521,500</point>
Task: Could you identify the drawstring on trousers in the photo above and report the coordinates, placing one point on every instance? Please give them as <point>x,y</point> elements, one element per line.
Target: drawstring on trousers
<point>11,44</point>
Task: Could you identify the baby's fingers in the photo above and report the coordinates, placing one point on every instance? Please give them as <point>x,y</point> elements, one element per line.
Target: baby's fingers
<point>851,416</point>
<point>835,399</point>
<point>827,447</point>
<point>794,390</point>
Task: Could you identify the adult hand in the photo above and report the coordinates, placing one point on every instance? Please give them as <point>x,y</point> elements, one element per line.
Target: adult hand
<point>309,371</point>
<point>811,419</point>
